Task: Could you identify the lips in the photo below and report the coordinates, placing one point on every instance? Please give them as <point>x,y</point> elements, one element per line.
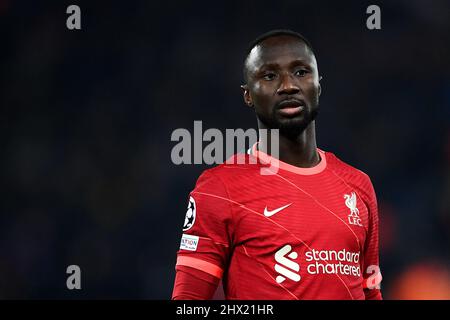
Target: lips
<point>290,103</point>
<point>290,107</point>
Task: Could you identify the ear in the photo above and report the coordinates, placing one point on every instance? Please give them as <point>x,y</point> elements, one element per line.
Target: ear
<point>320,87</point>
<point>246,94</point>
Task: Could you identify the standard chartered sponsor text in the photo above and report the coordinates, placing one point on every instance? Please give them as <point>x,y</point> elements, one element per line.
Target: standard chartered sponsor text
<point>333,262</point>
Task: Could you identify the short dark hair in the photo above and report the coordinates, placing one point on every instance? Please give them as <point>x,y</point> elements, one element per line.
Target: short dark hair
<point>270,34</point>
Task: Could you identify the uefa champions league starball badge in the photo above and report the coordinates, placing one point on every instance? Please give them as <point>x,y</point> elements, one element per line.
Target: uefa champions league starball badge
<point>190,215</point>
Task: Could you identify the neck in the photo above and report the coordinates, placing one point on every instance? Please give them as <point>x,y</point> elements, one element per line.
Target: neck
<point>300,151</point>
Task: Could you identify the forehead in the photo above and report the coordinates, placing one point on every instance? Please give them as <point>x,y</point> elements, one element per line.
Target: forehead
<point>279,50</point>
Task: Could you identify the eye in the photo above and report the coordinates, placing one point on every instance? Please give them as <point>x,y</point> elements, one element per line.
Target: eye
<point>269,76</point>
<point>301,72</point>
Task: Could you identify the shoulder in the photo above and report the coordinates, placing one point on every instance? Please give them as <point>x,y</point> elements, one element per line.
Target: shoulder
<point>225,173</point>
<point>341,167</point>
<point>234,165</point>
<point>350,174</point>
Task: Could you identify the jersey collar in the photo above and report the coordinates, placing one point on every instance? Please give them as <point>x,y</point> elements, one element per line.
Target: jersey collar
<point>265,158</point>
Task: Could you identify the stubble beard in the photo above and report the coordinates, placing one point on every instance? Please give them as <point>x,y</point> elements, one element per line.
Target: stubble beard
<point>290,128</point>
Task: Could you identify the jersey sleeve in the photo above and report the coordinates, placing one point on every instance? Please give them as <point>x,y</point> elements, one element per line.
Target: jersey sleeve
<point>208,229</point>
<point>193,284</point>
<point>371,269</point>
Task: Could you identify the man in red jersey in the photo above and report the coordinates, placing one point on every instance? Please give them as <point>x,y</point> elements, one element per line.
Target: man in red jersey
<point>309,230</point>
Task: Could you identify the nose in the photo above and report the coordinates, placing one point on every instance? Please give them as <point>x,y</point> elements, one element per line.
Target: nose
<point>288,85</point>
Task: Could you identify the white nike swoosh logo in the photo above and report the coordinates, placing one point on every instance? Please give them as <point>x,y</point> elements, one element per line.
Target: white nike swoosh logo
<point>268,213</point>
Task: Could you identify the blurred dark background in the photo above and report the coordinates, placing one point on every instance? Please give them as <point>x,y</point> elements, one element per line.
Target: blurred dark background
<point>87,115</point>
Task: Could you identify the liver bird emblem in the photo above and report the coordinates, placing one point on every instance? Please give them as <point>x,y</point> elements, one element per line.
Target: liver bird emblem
<point>350,202</point>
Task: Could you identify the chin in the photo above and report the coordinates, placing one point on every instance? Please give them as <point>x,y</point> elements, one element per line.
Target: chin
<point>289,126</point>
<point>293,127</point>
<point>295,122</point>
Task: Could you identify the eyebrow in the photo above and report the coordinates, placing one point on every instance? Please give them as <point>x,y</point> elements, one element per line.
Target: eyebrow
<point>294,63</point>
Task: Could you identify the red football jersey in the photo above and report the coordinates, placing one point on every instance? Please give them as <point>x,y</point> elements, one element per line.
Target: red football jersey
<point>291,233</point>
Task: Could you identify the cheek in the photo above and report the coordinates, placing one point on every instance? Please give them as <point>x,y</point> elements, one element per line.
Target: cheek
<point>311,87</point>
<point>257,88</point>
<point>258,93</point>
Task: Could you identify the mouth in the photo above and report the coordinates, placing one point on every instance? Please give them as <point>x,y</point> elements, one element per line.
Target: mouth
<point>290,107</point>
